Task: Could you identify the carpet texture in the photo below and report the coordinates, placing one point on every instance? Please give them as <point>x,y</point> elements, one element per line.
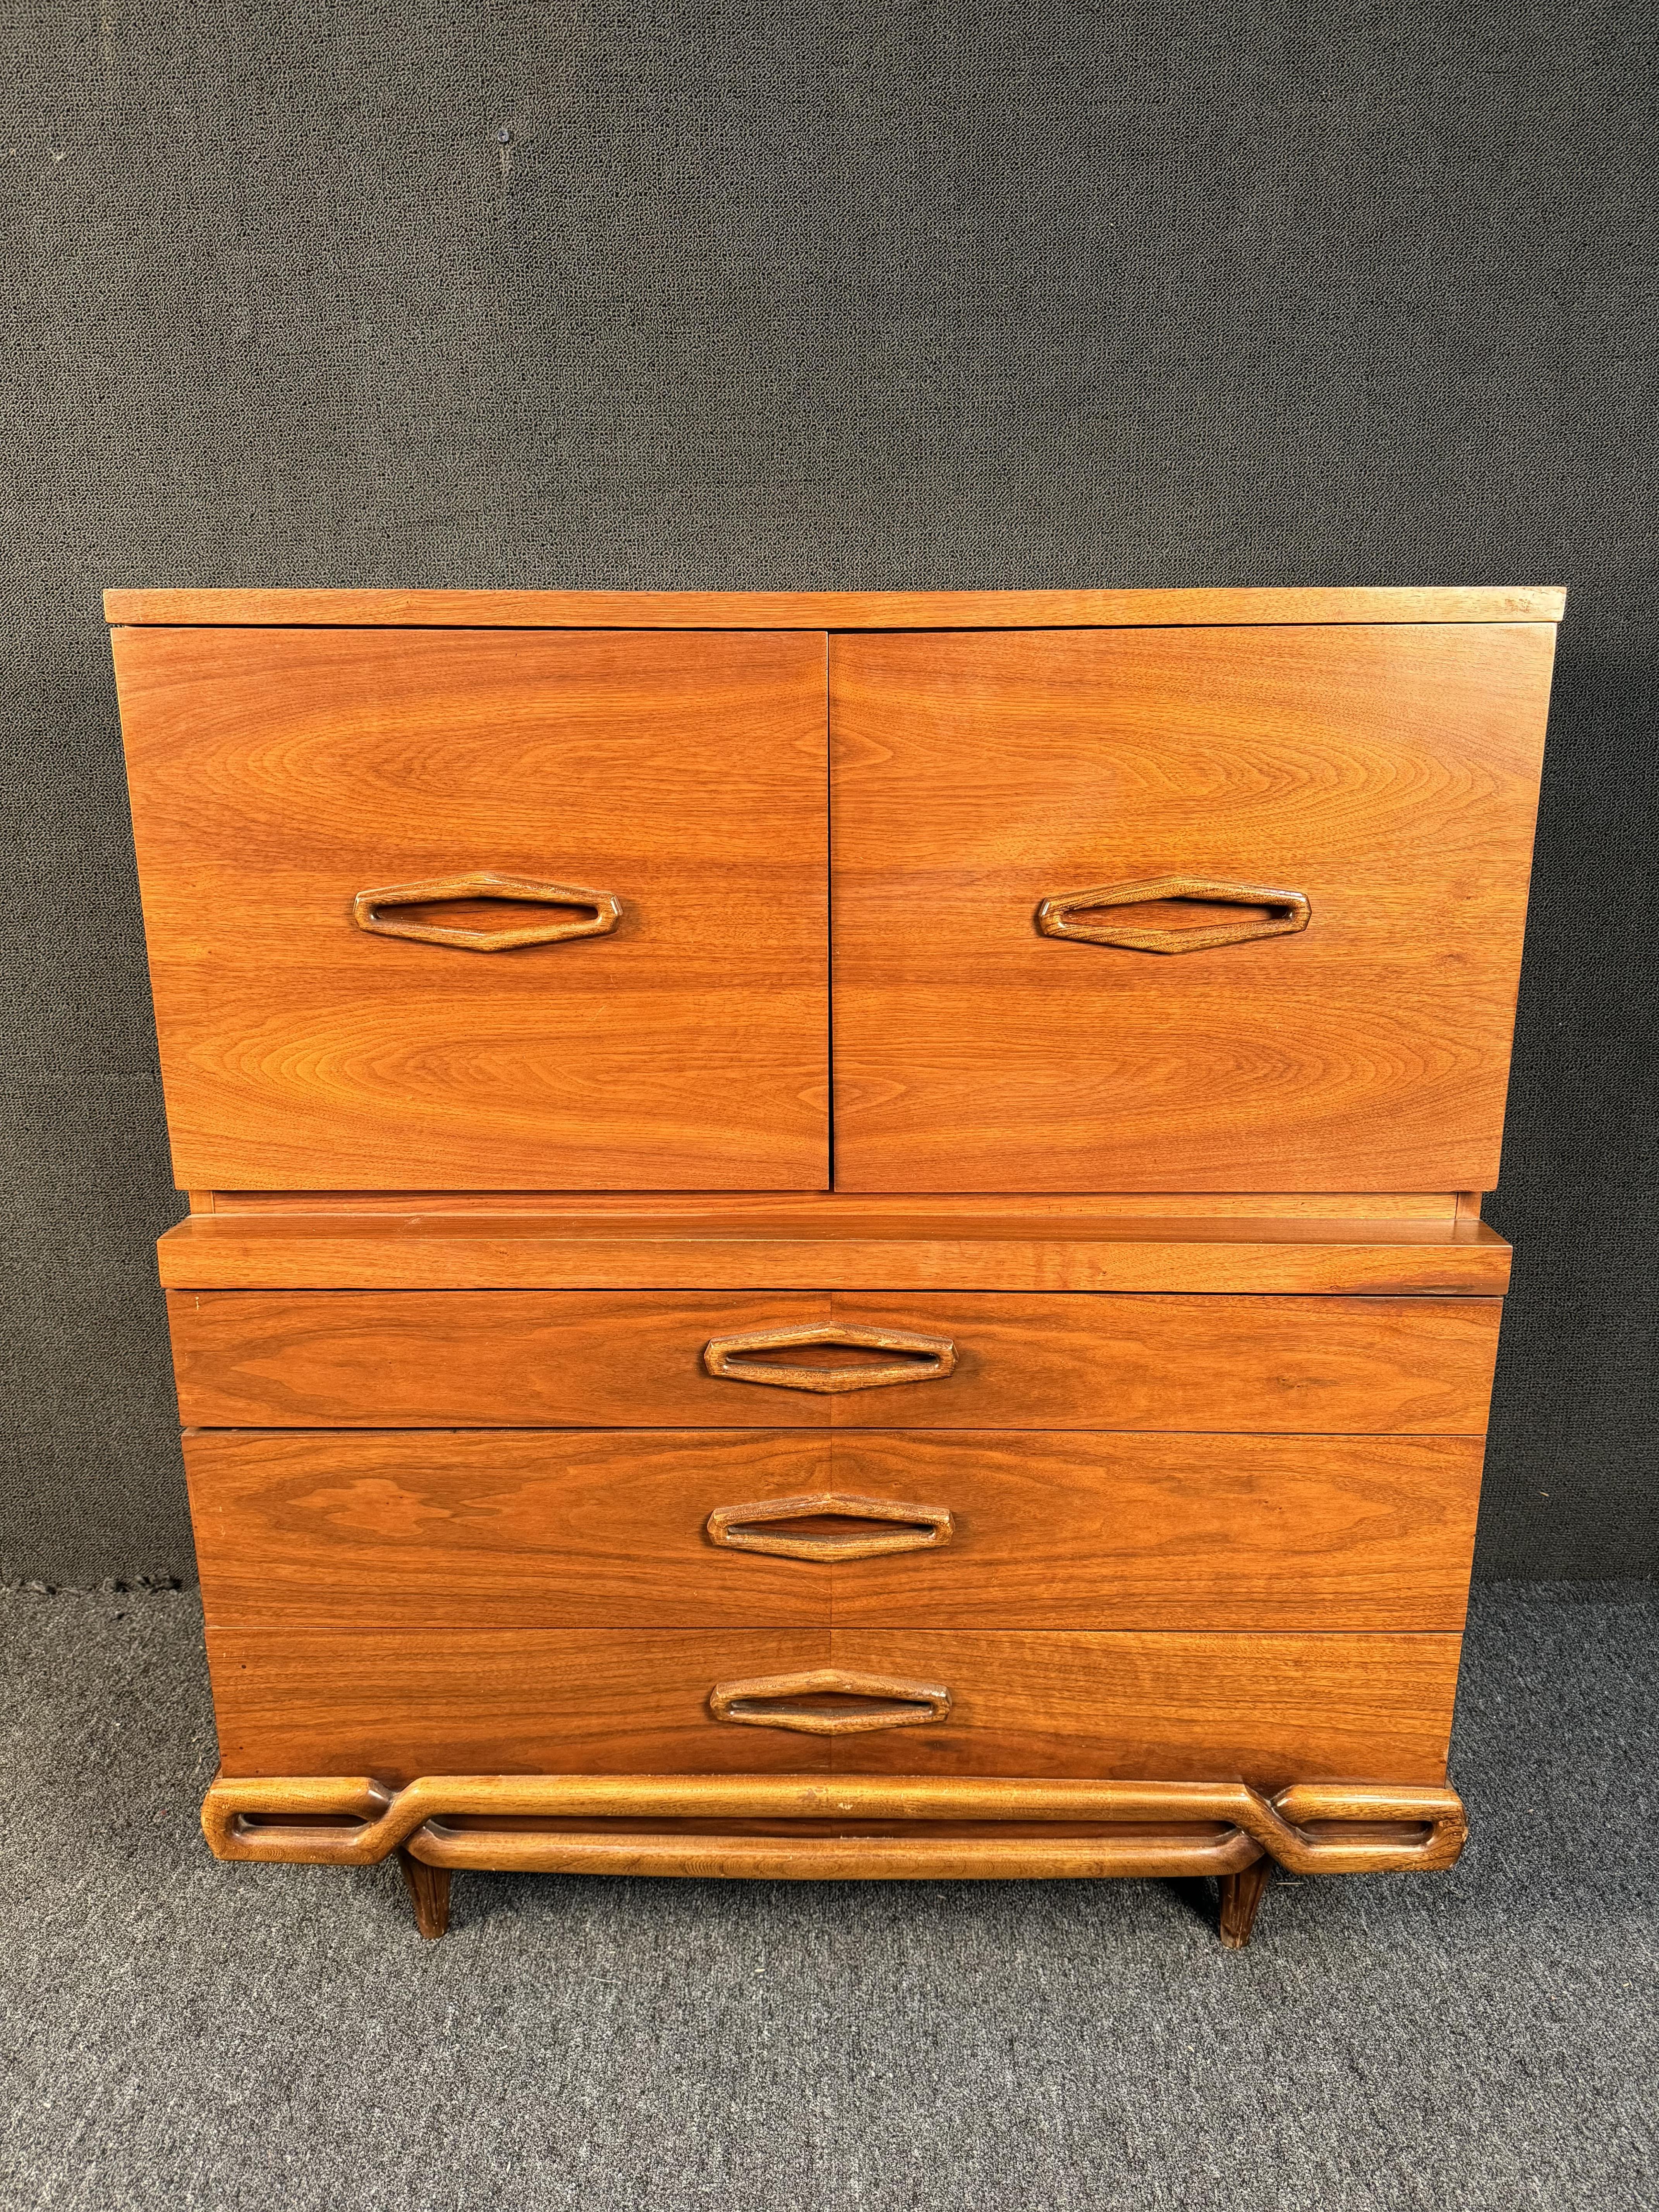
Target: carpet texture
<point>183,2035</point>
<point>821,293</point>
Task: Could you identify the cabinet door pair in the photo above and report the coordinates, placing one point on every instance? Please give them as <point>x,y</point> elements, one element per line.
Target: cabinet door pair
<point>1173,909</point>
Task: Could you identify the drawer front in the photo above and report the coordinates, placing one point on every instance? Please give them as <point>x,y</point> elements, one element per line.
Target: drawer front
<point>1269,1710</point>
<point>558,1529</point>
<point>612,1529</point>
<point>506,1359</point>
<point>1380,782</point>
<point>397,1703</point>
<point>1074,1529</point>
<point>1265,1709</point>
<point>675,783</point>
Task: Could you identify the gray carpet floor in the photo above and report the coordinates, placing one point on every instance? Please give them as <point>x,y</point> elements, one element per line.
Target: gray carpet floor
<point>182,2034</point>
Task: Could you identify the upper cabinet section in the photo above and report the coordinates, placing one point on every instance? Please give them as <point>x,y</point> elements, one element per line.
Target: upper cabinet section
<point>1182,909</point>
<point>484,909</point>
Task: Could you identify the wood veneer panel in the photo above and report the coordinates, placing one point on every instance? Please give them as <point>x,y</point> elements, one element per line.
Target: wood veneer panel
<point>276,774</point>
<point>474,1358</point>
<point>447,1251</point>
<point>1389,774</point>
<point>1268,1710</point>
<point>1083,1530</point>
<point>511,1358</point>
<point>585,1529</point>
<point>397,1703</point>
<point>836,610</point>
<point>837,1213</point>
<point>607,1529</point>
<point>1323,1364</point>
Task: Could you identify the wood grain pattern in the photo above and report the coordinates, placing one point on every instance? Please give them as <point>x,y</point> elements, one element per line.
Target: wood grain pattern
<point>1081,1530</point>
<point>475,1358</point>
<point>1262,1709</point>
<point>914,1855</point>
<point>449,1251</point>
<point>1391,774</point>
<point>546,1528</point>
<point>398,1703</point>
<point>1266,1709</point>
<point>826,1210</point>
<point>1324,1365</point>
<point>494,1819</point>
<point>838,609</point>
<point>517,1359</point>
<point>274,774</point>
<point>611,1529</point>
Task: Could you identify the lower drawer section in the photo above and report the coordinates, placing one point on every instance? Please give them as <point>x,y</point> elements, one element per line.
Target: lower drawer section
<point>1269,1710</point>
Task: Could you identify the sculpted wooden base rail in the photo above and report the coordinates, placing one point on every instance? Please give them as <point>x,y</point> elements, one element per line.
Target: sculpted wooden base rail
<point>1301,1828</point>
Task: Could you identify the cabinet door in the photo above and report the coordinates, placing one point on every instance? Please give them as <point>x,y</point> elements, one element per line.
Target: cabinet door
<point>1364,796</point>
<point>662,1025</point>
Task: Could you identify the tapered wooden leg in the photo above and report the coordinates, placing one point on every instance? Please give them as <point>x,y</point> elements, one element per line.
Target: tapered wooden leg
<point>428,1887</point>
<point>1241,1893</point>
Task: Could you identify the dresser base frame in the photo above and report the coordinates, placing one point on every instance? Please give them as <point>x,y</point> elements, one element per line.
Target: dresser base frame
<point>623,1825</point>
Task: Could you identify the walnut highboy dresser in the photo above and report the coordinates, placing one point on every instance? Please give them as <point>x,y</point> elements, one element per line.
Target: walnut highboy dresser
<point>835,1234</point>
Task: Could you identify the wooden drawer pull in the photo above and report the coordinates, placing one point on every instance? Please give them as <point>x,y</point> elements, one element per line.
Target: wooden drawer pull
<point>747,1527</point>
<point>1054,917</point>
<point>828,1702</point>
<point>927,1357</point>
<point>606,914</point>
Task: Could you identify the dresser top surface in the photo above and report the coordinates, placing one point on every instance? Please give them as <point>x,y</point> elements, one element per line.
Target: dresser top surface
<point>832,610</point>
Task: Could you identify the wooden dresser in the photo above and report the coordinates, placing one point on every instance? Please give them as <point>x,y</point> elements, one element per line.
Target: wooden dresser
<point>740,1313</point>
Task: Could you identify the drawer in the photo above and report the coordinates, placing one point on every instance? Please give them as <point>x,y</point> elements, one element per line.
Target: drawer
<point>557,1528</point>
<point>1380,782</point>
<point>1081,1529</point>
<point>397,1703</point>
<point>1064,1359</point>
<point>293,788</point>
<point>1069,1529</point>
<point>1266,1709</point>
<point>1269,1710</point>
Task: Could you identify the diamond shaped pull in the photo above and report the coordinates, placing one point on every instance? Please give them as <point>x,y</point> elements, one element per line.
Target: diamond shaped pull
<point>738,1359</point>
<point>523,890</point>
<point>828,1701</point>
<point>775,1525</point>
<point>1055,916</point>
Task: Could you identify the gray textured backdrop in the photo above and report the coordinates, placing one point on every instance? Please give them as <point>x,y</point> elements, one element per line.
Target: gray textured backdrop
<point>814,295</point>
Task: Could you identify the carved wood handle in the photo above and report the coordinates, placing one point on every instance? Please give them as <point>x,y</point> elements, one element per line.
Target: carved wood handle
<point>802,1702</point>
<point>607,911</point>
<point>936,1356</point>
<point>1054,916</point>
<point>925,1526</point>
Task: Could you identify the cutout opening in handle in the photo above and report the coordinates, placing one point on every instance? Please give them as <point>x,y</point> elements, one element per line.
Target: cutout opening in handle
<point>828,1701</point>
<point>597,912</point>
<point>741,1358</point>
<point>1284,913</point>
<point>829,1525</point>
